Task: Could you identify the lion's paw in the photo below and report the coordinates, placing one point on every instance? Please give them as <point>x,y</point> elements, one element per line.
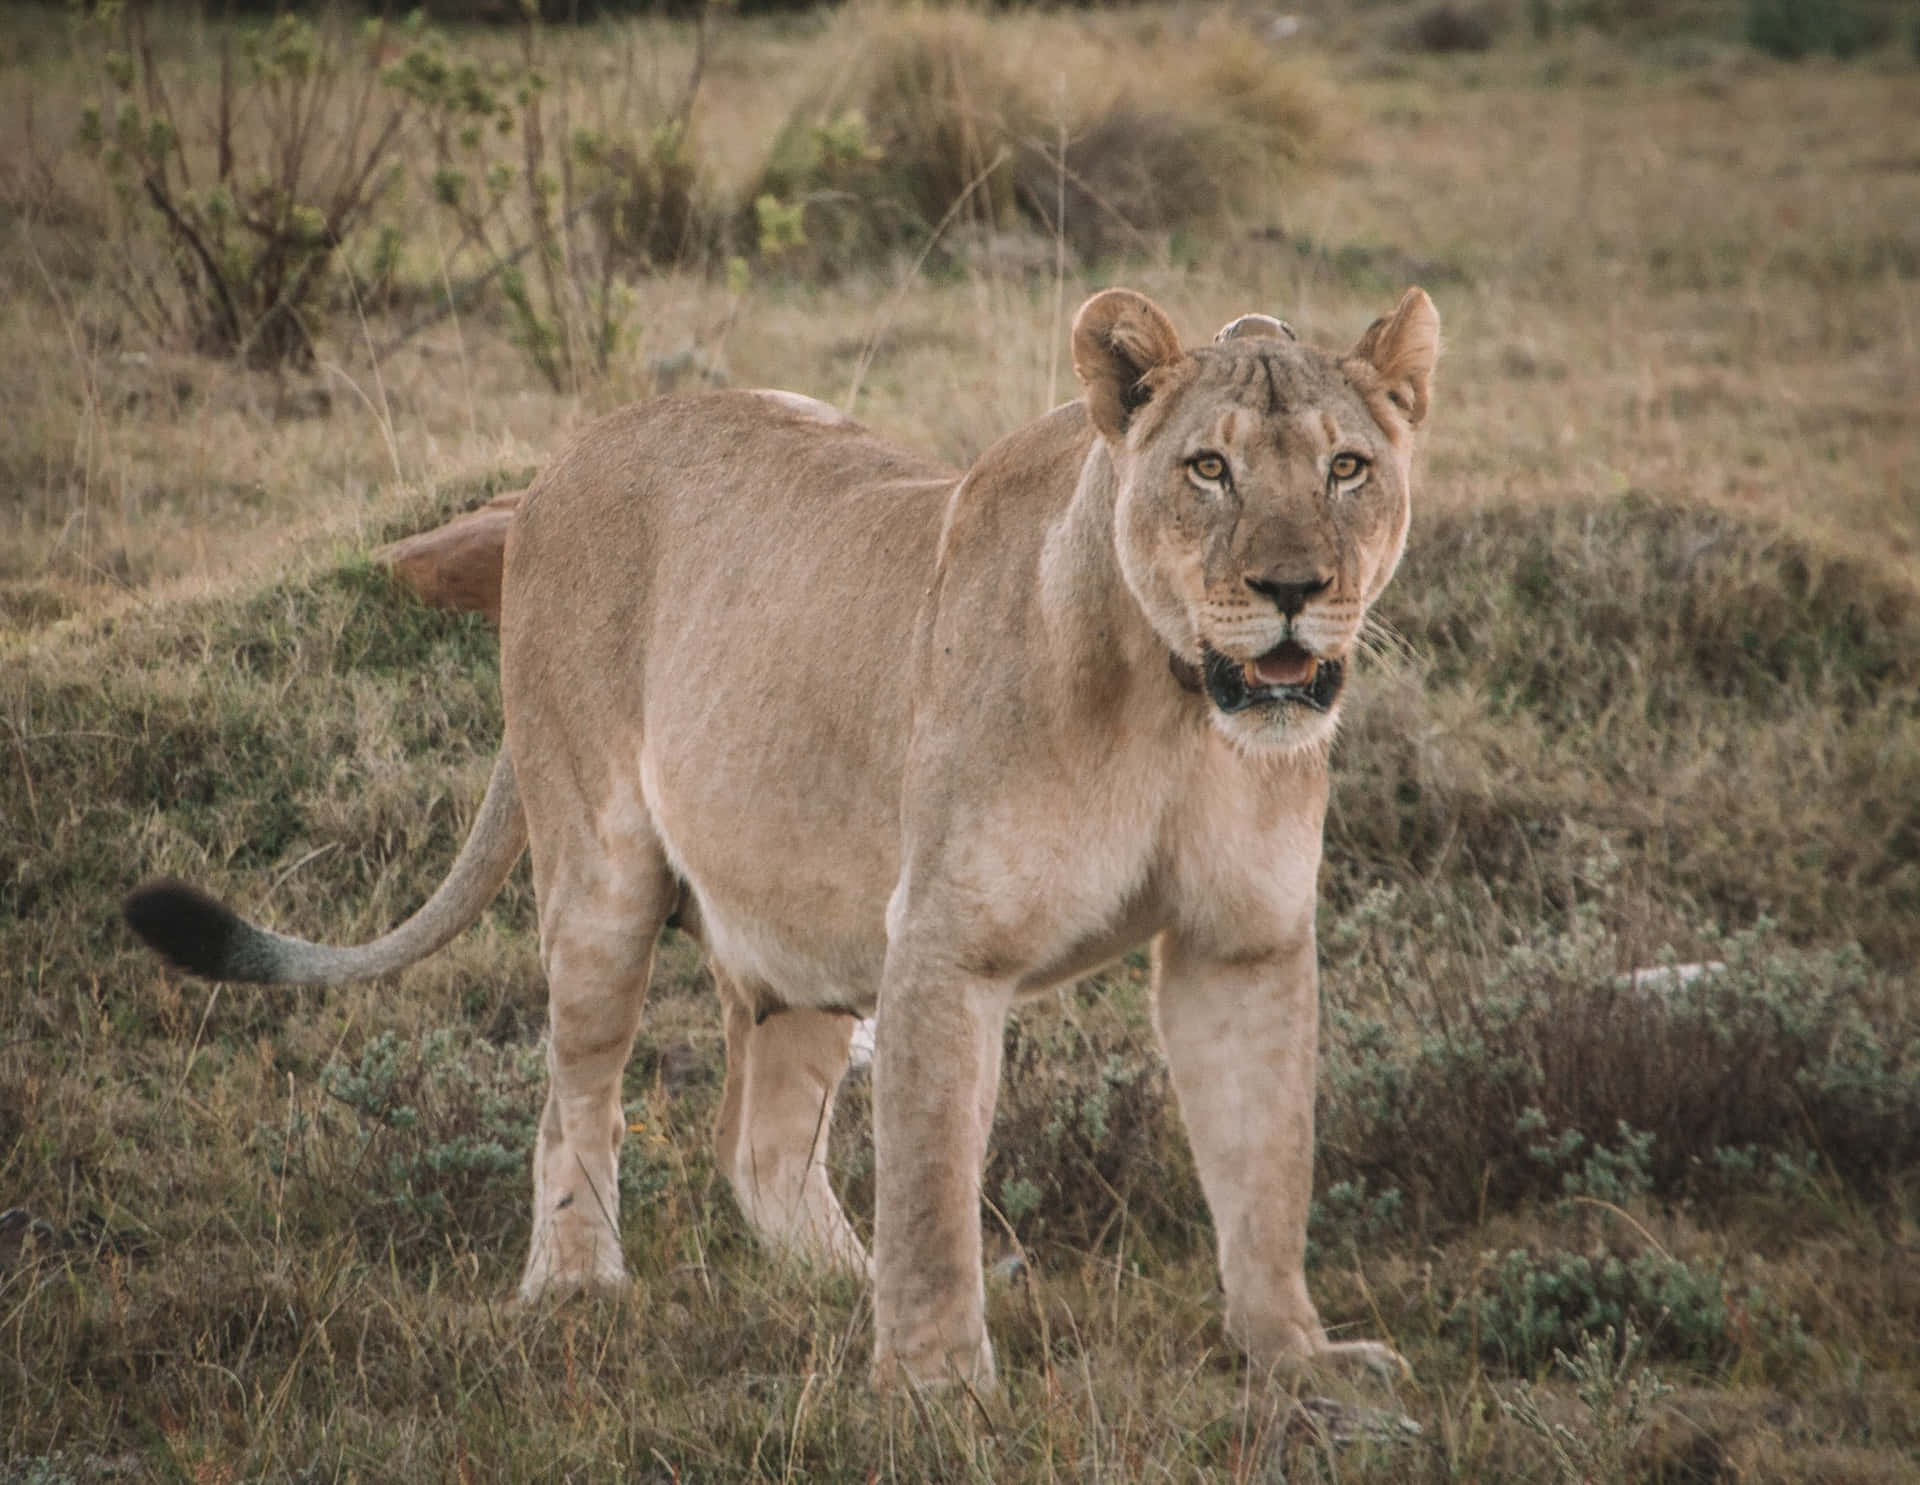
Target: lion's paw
<point>559,1269</point>
<point>1370,1357</point>
<point>969,1367</point>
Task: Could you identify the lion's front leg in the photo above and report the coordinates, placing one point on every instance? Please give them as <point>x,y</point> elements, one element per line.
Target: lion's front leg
<point>1241,1042</point>
<point>936,1072</point>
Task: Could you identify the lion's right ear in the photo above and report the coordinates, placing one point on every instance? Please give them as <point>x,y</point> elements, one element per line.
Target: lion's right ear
<point>1120,338</point>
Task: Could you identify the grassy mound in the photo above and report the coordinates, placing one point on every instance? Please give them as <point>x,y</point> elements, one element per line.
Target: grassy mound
<point>936,123</point>
<point>321,739</point>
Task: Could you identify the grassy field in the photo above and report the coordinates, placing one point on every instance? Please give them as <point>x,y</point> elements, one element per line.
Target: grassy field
<point>1645,692</point>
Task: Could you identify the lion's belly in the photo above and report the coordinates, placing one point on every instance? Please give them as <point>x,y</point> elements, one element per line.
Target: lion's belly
<point>792,970</point>
<point>791,897</point>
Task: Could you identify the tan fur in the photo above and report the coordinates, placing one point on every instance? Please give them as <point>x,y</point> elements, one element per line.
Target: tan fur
<point>903,744</point>
<point>882,739</point>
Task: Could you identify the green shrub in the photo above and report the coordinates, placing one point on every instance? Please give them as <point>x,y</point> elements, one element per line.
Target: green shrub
<point>553,213</point>
<point>1348,1217</point>
<point>1620,1399</point>
<point>1528,1307</point>
<point>643,194</point>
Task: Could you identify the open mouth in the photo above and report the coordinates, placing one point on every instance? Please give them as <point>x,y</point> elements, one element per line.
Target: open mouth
<point>1287,674</point>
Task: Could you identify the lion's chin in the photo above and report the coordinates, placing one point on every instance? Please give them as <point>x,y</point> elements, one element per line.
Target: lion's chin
<point>1277,731</point>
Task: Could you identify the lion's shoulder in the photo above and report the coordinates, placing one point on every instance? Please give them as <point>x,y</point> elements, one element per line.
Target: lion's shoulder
<point>1023,477</point>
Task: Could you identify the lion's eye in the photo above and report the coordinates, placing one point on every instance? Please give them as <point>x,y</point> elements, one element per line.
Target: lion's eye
<point>1209,467</point>
<point>1346,466</point>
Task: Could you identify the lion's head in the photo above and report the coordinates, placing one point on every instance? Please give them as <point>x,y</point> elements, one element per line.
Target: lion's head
<point>1262,498</point>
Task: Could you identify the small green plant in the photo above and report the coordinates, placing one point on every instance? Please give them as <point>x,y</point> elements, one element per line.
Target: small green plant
<point>1348,1217</point>
<point>1620,1400</point>
<point>440,1135</point>
<point>643,195</point>
<point>1612,1173</point>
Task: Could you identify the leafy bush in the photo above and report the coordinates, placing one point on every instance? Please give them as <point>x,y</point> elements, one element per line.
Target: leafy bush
<point>1349,1217</point>
<point>524,218</point>
<point>254,214</point>
<point>250,214</point>
<point>1620,1398</point>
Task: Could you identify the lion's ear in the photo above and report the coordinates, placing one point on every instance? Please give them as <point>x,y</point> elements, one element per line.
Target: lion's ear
<point>1119,339</point>
<point>1402,348</point>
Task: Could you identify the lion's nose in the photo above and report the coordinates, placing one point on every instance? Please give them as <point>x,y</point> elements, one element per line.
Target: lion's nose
<point>1289,598</point>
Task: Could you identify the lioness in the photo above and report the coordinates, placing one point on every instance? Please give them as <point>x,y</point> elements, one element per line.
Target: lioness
<point>881,739</point>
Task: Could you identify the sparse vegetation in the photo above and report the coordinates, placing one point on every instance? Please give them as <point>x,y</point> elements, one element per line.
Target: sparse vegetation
<point>1643,696</point>
<point>1559,1074</point>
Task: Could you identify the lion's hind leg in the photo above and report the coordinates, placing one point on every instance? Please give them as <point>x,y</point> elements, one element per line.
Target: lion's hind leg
<point>603,898</point>
<point>770,1136</point>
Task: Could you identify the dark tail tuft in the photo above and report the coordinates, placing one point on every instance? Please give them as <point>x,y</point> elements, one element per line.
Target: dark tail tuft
<point>193,932</point>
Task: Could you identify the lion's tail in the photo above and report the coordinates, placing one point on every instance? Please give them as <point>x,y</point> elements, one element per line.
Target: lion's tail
<point>193,931</point>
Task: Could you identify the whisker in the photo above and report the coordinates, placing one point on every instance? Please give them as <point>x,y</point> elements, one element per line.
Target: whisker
<point>1381,642</point>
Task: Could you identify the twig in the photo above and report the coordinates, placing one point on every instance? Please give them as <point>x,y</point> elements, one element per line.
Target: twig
<point>1627,1217</point>
<point>460,295</point>
<point>157,193</point>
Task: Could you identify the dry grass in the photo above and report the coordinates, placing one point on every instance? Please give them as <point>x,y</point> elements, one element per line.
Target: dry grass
<point>931,120</point>
<point>1647,679</point>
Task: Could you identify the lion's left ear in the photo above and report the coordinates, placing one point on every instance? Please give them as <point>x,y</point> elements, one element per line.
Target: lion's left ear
<point>1402,348</point>
<point>1119,339</point>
